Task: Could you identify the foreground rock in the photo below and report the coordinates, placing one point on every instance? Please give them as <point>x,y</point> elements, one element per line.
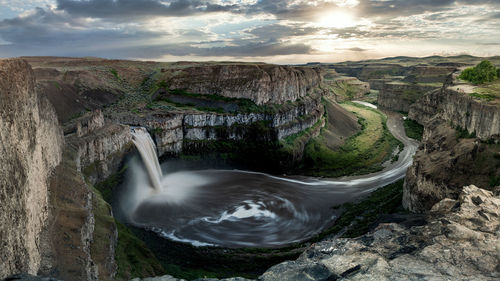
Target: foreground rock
<point>460,242</point>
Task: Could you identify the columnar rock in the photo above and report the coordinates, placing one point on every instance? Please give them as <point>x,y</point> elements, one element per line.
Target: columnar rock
<point>455,104</point>
<point>399,95</point>
<point>30,147</point>
<point>261,83</point>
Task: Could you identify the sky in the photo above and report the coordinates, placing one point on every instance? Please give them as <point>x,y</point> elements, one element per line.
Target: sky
<point>275,31</point>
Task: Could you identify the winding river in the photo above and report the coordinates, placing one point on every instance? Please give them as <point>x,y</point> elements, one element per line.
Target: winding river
<point>234,208</point>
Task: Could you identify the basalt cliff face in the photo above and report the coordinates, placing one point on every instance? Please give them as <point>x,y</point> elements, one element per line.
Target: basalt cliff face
<point>31,147</point>
<point>459,145</point>
<point>454,103</point>
<point>261,83</point>
<point>399,95</point>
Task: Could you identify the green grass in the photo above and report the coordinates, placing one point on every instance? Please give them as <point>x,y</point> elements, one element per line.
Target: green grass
<point>413,129</point>
<point>133,257</point>
<point>485,96</point>
<point>362,153</point>
<point>244,105</point>
<point>344,90</point>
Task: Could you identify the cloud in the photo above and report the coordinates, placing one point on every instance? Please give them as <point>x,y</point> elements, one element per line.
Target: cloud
<point>139,8</point>
<point>353,49</point>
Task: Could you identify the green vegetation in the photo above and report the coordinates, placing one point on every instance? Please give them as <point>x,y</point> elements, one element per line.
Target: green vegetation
<point>484,72</point>
<point>464,133</point>
<point>133,257</point>
<point>242,105</point>
<point>357,217</point>
<point>115,73</point>
<point>494,180</point>
<point>485,97</point>
<point>413,129</point>
<point>57,85</point>
<point>362,153</point>
<point>344,90</point>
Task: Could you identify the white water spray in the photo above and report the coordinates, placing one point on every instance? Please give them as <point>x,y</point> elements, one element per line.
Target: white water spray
<point>147,149</point>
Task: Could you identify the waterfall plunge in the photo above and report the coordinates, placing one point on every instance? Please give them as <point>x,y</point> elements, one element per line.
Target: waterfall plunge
<point>147,149</point>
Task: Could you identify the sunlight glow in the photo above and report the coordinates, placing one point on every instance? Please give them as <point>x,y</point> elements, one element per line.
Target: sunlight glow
<point>336,19</point>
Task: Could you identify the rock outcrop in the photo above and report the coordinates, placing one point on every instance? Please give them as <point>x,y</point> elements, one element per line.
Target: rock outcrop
<point>30,148</point>
<point>444,163</point>
<point>261,83</point>
<point>454,103</point>
<point>398,95</point>
<point>458,145</point>
<point>459,242</point>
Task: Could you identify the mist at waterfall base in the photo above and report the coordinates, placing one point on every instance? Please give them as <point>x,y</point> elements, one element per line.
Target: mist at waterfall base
<point>231,208</point>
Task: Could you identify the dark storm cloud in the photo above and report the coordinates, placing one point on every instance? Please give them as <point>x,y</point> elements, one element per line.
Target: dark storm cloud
<point>139,8</point>
<point>45,27</point>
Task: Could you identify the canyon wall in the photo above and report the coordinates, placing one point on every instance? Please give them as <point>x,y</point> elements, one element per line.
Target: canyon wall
<point>399,95</point>
<point>31,144</point>
<point>455,104</point>
<point>459,145</point>
<point>261,83</point>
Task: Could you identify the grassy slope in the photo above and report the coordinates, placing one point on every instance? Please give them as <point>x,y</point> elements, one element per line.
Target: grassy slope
<point>361,153</point>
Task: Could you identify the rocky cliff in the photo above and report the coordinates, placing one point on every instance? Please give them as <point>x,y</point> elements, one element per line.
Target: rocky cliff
<point>399,95</point>
<point>455,102</point>
<point>30,147</point>
<point>261,83</point>
<point>459,145</point>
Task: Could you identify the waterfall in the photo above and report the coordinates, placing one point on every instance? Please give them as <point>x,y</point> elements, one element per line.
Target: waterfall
<point>147,148</point>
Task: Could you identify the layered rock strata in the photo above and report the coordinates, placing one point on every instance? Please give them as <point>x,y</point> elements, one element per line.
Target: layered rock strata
<point>261,83</point>
<point>459,145</point>
<point>399,96</point>
<point>454,104</point>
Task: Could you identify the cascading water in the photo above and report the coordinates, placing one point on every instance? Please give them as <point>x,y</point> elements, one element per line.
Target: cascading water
<point>147,148</point>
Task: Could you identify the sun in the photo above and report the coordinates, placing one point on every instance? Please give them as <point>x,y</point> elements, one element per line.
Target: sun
<point>336,20</point>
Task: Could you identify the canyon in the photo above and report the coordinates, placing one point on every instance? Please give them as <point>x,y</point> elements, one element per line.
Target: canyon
<point>66,136</point>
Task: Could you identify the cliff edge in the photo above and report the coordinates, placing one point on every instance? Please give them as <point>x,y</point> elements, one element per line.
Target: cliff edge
<point>31,144</point>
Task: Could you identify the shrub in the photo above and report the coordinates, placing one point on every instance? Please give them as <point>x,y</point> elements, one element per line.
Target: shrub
<point>481,73</point>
